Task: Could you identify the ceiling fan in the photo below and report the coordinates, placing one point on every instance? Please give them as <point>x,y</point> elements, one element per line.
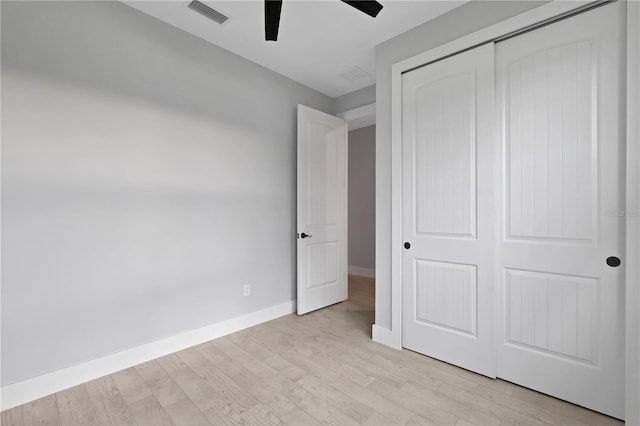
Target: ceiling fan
<point>272,10</point>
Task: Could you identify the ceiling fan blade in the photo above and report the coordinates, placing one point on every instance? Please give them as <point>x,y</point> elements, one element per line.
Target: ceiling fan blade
<point>371,8</point>
<point>272,10</point>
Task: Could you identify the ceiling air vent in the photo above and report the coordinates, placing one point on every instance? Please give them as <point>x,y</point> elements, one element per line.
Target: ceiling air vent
<point>207,11</point>
<point>354,73</point>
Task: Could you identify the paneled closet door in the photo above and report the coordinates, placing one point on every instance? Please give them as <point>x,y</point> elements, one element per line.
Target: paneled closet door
<point>561,306</point>
<point>448,218</point>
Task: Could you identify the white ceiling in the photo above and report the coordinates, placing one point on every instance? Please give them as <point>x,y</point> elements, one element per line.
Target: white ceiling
<point>317,41</point>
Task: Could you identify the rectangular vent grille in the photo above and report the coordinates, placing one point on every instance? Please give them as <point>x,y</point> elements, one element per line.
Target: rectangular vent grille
<point>354,73</point>
<point>207,11</point>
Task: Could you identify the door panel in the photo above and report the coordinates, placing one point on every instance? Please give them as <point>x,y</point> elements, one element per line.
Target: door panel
<point>322,173</point>
<point>560,100</point>
<point>551,145</point>
<point>445,189</point>
<point>552,313</point>
<point>447,148</point>
<point>446,295</point>
<point>322,210</point>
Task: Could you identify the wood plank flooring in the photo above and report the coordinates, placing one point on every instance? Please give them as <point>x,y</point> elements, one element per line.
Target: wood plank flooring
<point>320,368</point>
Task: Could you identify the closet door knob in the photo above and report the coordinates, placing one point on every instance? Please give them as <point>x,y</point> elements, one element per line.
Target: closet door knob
<point>613,261</point>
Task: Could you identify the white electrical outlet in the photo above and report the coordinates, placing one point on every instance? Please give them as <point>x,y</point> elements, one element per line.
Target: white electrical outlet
<point>247,289</point>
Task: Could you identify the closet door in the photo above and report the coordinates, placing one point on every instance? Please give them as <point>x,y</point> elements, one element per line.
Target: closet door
<point>448,219</point>
<point>561,295</point>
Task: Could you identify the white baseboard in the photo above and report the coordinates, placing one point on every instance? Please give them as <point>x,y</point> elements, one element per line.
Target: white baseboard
<point>28,390</point>
<point>386,337</point>
<point>362,272</point>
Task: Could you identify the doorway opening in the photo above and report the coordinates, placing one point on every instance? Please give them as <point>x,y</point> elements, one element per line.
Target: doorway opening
<point>361,212</point>
<point>336,214</point>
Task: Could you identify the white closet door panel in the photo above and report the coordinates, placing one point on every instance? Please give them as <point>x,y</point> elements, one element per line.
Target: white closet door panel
<point>445,187</point>
<point>553,313</point>
<point>446,295</point>
<point>560,102</point>
<point>551,144</point>
<point>448,271</point>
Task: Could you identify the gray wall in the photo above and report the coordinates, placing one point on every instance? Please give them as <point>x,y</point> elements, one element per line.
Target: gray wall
<point>362,197</point>
<point>464,20</point>
<point>146,176</point>
<point>354,99</point>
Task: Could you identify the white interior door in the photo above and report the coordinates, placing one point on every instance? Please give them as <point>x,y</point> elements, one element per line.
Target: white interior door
<point>448,222</point>
<point>322,210</point>
<point>561,316</point>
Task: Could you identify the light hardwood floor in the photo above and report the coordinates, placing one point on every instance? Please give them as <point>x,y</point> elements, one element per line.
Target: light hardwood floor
<point>318,368</point>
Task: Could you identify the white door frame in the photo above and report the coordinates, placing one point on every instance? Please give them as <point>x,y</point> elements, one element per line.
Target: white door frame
<point>359,117</point>
<point>393,336</point>
<point>632,370</point>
